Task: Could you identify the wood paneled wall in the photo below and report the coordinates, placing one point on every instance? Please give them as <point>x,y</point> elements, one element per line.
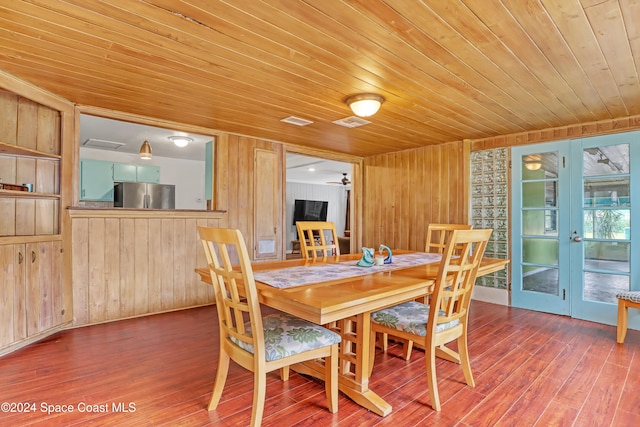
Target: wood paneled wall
<point>234,180</point>
<point>405,191</point>
<point>132,266</point>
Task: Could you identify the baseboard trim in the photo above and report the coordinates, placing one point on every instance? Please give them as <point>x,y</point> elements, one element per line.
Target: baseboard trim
<point>492,295</point>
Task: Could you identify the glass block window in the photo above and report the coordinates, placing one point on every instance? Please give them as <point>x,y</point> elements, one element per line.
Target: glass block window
<point>490,207</point>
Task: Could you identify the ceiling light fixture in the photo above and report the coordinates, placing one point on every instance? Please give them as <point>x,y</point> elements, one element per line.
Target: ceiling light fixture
<point>364,104</point>
<point>180,141</point>
<point>532,165</point>
<point>145,150</point>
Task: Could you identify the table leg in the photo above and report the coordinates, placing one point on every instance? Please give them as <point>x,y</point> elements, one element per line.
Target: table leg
<point>354,365</point>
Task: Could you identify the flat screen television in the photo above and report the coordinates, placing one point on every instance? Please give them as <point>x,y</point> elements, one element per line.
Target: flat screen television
<point>310,210</point>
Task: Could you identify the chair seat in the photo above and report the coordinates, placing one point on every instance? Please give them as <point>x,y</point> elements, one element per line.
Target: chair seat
<point>409,317</point>
<point>286,335</point>
<point>633,296</point>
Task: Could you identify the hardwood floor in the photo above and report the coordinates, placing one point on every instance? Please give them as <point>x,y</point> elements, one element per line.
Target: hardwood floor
<point>530,369</point>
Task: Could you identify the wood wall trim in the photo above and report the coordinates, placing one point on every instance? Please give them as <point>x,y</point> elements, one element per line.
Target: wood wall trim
<point>602,127</point>
<point>145,120</point>
<point>118,213</point>
<point>34,93</point>
<point>12,240</point>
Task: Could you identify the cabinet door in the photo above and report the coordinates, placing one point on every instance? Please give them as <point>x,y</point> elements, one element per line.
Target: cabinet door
<point>124,172</point>
<point>267,205</point>
<point>43,285</point>
<point>148,173</point>
<point>12,295</point>
<point>96,180</point>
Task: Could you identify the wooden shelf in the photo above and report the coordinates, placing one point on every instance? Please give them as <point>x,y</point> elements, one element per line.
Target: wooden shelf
<point>15,150</point>
<point>28,194</point>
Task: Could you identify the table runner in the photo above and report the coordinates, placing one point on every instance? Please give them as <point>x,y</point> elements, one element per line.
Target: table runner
<point>304,275</point>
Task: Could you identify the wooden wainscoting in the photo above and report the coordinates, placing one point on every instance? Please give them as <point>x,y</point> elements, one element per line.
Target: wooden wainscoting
<point>134,263</point>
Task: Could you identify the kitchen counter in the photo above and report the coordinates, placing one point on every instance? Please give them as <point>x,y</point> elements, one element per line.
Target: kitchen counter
<point>93,212</point>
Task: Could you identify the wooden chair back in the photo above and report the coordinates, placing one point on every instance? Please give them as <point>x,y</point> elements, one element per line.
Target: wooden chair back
<point>438,235</point>
<point>235,291</point>
<point>318,237</point>
<point>457,276</point>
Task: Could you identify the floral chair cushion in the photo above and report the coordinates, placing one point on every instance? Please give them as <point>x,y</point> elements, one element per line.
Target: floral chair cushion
<point>285,335</point>
<point>633,296</point>
<point>410,317</point>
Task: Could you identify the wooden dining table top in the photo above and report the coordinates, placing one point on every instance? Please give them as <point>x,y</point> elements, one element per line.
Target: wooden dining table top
<point>332,300</point>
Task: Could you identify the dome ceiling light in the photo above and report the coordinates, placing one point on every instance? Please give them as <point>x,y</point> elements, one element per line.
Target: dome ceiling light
<point>180,141</point>
<point>364,104</point>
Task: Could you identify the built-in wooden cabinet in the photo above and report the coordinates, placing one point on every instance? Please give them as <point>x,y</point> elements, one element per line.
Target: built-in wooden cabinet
<point>32,283</point>
<point>25,213</point>
<point>32,296</point>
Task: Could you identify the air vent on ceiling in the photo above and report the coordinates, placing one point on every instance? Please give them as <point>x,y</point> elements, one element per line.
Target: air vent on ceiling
<point>296,121</point>
<point>101,143</point>
<point>351,122</point>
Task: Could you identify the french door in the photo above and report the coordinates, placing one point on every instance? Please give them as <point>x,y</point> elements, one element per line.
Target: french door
<point>572,225</point>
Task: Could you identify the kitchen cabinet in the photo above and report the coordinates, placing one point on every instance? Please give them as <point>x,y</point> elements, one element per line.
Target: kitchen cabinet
<point>96,180</point>
<point>148,173</point>
<point>129,172</point>
<point>97,177</point>
<point>31,281</point>
<point>125,172</point>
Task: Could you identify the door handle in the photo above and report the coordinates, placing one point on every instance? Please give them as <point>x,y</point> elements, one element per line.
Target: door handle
<point>577,239</point>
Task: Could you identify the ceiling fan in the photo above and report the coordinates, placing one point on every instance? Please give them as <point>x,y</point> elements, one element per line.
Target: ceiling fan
<point>343,181</point>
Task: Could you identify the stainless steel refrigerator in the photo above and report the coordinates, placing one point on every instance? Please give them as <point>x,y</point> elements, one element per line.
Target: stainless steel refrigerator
<point>144,195</point>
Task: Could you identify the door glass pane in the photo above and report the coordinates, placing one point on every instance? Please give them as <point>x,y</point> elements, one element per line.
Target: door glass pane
<point>607,160</point>
<point>540,194</point>
<point>602,287</point>
<point>609,191</point>
<point>540,222</point>
<point>540,166</point>
<point>607,224</point>
<point>540,251</point>
<point>540,279</point>
<point>610,256</point>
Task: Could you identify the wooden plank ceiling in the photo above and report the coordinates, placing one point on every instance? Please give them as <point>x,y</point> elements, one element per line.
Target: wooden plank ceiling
<point>449,70</point>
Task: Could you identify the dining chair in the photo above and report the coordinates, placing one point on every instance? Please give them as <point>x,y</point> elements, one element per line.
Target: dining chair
<point>445,319</point>
<point>259,343</point>
<point>313,239</point>
<point>438,236</point>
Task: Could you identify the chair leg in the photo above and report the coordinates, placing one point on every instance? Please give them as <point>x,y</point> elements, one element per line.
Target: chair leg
<point>259,393</point>
<point>221,378</point>
<point>463,352</point>
<point>623,319</point>
<point>284,373</point>
<point>407,347</point>
<point>331,379</point>
<point>432,382</point>
<point>384,342</point>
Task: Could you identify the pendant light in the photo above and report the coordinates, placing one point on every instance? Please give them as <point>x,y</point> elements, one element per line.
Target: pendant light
<point>145,150</point>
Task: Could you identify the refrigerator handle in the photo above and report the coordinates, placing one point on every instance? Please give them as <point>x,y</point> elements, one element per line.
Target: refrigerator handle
<point>146,201</point>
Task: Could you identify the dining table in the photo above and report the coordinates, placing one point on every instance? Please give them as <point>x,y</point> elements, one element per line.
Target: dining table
<point>347,301</point>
